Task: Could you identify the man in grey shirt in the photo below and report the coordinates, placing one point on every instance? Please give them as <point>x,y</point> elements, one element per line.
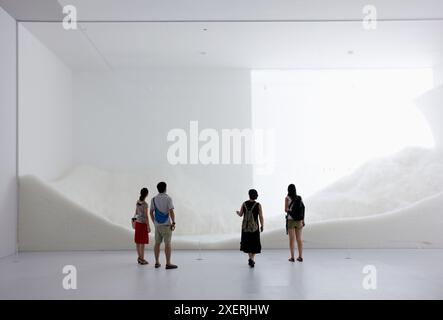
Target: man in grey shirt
<point>163,216</point>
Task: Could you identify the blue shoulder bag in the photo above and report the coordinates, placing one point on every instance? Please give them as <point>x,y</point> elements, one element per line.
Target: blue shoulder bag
<point>160,217</point>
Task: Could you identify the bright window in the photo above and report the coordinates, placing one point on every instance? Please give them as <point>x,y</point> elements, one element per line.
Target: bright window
<point>326,123</point>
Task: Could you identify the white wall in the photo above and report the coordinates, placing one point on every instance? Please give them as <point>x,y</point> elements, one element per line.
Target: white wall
<point>8,138</point>
<point>438,74</point>
<point>45,110</point>
<point>431,105</point>
<point>122,119</point>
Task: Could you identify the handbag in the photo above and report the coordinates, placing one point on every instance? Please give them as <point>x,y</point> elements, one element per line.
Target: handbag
<point>133,221</point>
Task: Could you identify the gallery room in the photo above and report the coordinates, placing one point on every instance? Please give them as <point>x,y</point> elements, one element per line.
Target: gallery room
<point>293,149</point>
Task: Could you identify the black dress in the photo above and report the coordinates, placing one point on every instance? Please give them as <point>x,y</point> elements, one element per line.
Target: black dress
<point>250,241</point>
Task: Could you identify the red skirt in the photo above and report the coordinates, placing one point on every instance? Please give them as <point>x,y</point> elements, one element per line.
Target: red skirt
<point>141,233</point>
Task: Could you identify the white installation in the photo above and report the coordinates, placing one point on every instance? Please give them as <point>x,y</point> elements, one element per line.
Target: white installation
<point>93,133</point>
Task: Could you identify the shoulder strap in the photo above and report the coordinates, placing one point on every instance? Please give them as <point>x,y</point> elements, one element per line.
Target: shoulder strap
<point>252,208</point>
<point>156,209</point>
<point>291,205</point>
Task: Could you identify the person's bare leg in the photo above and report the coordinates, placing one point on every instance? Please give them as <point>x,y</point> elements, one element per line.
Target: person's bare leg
<point>251,261</point>
<point>298,233</point>
<point>291,242</point>
<point>157,253</point>
<point>142,252</point>
<point>138,250</point>
<point>168,251</point>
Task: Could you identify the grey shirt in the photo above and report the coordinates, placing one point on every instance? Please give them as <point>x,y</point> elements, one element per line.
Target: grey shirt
<point>141,211</point>
<point>163,202</point>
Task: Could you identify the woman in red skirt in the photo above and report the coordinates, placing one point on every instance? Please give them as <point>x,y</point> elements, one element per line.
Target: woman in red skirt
<point>141,226</point>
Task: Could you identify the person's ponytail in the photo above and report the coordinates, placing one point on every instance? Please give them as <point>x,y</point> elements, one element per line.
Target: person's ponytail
<point>143,194</point>
<point>292,192</point>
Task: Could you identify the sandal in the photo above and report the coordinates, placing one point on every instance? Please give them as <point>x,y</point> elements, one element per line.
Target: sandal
<point>291,259</point>
<point>142,261</point>
<point>171,266</point>
<point>157,265</point>
<point>300,259</point>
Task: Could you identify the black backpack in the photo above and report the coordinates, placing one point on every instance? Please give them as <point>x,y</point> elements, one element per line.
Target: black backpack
<point>297,209</point>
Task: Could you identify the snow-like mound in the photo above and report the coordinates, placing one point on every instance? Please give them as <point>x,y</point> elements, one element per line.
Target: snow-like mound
<point>50,221</point>
<point>380,186</point>
<point>415,226</point>
<point>391,202</point>
<point>113,196</point>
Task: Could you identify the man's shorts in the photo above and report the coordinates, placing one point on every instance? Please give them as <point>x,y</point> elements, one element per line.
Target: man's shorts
<point>163,233</point>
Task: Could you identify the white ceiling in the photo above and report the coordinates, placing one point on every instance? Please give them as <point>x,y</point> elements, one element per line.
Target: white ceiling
<point>130,10</point>
<point>256,45</point>
<point>192,10</point>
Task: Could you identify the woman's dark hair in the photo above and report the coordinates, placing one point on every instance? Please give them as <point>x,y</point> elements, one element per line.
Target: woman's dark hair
<point>143,194</point>
<point>161,187</point>
<point>292,192</point>
<point>253,194</point>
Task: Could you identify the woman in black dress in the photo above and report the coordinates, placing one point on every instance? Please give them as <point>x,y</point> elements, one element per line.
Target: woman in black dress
<point>252,214</point>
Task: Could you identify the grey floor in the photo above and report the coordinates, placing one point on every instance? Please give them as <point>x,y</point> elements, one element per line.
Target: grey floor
<point>325,274</point>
